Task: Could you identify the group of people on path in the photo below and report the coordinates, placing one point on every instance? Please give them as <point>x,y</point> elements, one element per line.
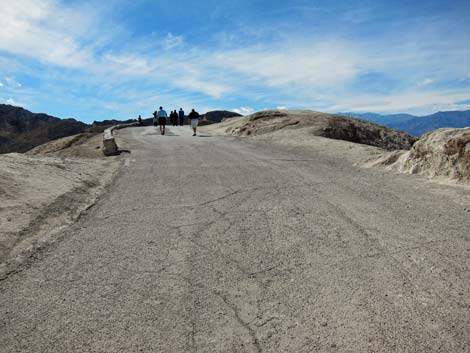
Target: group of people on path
<point>176,118</point>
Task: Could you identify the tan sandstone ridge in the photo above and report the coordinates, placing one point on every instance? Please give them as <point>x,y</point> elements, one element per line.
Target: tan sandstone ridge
<point>46,189</point>
<point>440,154</point>
<point>331,126</point>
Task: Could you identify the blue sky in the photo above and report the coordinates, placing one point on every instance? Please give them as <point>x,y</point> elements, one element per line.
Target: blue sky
<point>95,60</point>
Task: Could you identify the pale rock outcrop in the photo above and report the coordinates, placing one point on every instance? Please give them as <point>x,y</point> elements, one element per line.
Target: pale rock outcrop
<point>331,126</point>
<point>442,153</point>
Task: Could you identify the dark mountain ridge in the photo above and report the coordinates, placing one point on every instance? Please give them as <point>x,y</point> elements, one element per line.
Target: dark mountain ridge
<point>216,116</point>
<point>418,125</point>
<point>21,130</point>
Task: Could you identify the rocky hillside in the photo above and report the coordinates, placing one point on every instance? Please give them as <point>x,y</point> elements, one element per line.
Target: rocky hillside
<point>216,116</point>
<point>21,130</point>
<point>319,124</point>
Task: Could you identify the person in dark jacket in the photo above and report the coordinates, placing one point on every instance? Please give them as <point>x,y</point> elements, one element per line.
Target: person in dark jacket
<point>175,118</point>
<point>194,119</point>
<point>155,118</point>
<point>181,116</point>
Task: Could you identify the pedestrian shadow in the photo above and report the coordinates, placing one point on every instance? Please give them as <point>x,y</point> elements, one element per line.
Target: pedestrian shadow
<point>119,152</point>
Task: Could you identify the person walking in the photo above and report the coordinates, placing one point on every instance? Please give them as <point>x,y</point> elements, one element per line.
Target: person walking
<point>162,115</point>
<point>155,118</point>
<point>181,116</point>
<point>175,118</point>
<point>194,119</point>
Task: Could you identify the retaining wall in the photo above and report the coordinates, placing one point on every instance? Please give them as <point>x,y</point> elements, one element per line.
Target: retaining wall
<point>110,147</point>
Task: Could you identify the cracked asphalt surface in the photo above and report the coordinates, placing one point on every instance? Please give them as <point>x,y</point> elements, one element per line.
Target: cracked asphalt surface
<point>213,244</point>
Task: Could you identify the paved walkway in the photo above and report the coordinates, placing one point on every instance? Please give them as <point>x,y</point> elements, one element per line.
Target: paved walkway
<point>210,244</point>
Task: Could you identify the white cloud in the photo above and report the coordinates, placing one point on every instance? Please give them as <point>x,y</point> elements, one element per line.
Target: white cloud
<point>425,82</point>
<point>11,82</point>
<point>12,101</point>
<point>44,31</point>
<point>1,84</point>
<point>282,107</point>
<point>172,41</point>
<point>244,110</point>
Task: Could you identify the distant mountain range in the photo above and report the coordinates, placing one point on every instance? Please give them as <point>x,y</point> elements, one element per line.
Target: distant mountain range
<point>21,130</point>
<point>417,125</point>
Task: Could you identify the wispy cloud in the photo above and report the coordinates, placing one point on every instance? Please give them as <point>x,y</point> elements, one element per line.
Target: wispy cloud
<point>12,101</point>
<point>172,41</point>
<point>303,64</point>
<point>463,102</point>
<point>11,82</point>
<point>413,102</point>
<point>244,110</point>
<point>425,82</point>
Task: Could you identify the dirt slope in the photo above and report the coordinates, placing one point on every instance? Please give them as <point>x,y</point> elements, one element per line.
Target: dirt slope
<point>45,190</point>
<point>85,145</point>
